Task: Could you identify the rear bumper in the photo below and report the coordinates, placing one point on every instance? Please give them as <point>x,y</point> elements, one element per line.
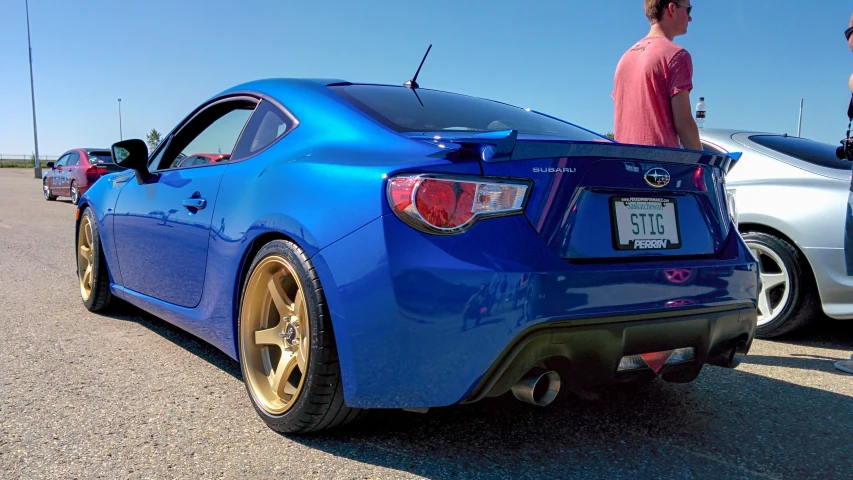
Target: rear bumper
<point>421,320</point>
<point>588,352</point>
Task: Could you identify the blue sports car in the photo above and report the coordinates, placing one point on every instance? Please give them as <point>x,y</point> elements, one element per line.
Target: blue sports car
<point>374,246</point>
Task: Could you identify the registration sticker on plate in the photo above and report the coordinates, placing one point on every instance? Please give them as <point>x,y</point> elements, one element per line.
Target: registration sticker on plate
<point>643,223</point>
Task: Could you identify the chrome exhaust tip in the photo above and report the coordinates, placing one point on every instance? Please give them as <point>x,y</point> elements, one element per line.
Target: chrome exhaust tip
<point>537,387</point>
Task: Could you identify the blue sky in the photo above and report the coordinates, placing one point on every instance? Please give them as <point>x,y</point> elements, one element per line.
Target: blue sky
<point>753,60</point>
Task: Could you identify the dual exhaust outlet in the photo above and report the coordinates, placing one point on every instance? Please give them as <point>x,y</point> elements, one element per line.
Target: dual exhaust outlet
<point>540,387</point>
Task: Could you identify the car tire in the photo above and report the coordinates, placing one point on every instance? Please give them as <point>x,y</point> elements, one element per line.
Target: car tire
<point>75,194</point>
<point>283,307</point>
<point>788,289</point>
<point>48,194</point>
<point>92,271</point>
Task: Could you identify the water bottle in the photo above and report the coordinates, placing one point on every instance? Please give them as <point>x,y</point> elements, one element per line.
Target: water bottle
<point>701,108</point>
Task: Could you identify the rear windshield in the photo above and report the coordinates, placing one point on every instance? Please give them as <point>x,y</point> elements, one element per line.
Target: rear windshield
<point>98,158</point>
<point>806,150</point>
<point>399,109</point>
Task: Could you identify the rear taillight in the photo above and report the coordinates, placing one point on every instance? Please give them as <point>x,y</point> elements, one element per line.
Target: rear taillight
<point>92,174</point>
<point>95,172</point>
<point>444,204</point>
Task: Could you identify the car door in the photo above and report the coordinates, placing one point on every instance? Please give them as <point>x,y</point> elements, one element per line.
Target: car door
<point>161,227</point>
<point>71,171</point>
<point>55,176</point>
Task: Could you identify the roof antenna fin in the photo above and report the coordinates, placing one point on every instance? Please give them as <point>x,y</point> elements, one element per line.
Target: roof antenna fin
<point>413,83</point>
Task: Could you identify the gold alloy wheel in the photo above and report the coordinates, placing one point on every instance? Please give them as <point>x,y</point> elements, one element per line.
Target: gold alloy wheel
<point>275,335</point>
<point>85,258</point>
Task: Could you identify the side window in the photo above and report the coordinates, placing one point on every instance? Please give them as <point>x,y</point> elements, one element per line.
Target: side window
<point>810,151</point>
<point>267,125</point>
<point>73,159</point>
<point>183,162</point>
<point>214,130</point>
<point>62,161</point>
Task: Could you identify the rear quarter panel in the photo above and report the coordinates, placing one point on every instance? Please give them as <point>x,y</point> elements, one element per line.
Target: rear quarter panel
<point>806,207</point>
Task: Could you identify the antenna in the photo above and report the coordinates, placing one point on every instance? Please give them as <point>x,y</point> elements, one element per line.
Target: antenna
<point>413,83</point>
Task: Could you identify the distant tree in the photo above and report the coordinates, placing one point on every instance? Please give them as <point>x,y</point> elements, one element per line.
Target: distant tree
<point>153,139</point>
<point>610,135</point>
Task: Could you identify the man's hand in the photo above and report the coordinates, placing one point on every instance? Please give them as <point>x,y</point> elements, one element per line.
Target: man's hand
<point>685,126</point>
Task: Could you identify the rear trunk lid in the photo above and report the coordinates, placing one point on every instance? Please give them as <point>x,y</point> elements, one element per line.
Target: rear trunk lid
<point>602,200</point>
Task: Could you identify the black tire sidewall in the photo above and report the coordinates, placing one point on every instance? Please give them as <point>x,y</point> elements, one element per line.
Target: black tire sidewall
<point>97,282</point>
<point>75,194</point>
<point>317,317</point>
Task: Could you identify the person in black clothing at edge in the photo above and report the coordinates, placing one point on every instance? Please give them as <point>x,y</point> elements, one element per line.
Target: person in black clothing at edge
<point>847,365</point>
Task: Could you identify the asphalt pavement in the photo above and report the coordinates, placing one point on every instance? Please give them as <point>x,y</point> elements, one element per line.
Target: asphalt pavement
<point>130,396</point>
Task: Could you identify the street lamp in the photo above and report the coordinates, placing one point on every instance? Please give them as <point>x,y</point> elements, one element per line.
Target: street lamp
<point>37,165</point>
<point>120,135</point>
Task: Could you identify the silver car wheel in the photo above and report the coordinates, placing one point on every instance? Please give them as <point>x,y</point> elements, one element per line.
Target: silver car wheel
<point>775,283</point>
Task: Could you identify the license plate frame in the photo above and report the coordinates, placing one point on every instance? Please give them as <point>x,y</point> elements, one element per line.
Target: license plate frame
<point>651,242</point>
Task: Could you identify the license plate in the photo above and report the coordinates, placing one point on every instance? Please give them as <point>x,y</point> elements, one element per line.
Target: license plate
<point>644,223</point>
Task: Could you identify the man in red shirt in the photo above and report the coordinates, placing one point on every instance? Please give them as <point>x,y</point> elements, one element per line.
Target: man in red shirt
<point>653,82</point>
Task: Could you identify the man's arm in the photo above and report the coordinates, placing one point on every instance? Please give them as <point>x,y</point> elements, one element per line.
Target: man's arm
<point>685,126</point>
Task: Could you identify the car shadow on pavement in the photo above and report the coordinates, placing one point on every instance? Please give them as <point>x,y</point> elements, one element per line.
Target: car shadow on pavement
<point>727,424</point>
<point>821,333</point>
<point>181,338</point>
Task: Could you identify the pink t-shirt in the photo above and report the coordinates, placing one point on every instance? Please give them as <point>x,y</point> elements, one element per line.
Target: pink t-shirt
<point>647,77</point>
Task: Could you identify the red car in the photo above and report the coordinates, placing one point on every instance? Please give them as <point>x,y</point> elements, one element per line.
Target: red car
<point>75,171</point>
<point>201,159</point>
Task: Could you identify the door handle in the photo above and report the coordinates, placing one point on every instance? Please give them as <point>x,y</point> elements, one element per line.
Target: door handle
<point>195,203</point>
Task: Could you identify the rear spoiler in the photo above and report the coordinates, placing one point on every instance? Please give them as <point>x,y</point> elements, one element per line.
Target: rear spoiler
<point>503,146</point>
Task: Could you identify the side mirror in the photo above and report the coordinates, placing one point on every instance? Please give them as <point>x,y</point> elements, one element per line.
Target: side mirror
<point>50,165</point>
<point>132,154</point>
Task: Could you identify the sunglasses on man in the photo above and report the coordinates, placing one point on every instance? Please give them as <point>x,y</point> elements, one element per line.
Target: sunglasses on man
<point>848,32</point>
<point>688,7</point>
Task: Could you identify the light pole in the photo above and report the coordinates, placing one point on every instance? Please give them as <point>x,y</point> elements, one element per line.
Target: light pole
<point>37,165</point>
<point>120,135</point>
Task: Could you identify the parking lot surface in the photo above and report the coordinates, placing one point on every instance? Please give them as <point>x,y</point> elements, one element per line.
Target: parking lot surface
<point>129,396</point>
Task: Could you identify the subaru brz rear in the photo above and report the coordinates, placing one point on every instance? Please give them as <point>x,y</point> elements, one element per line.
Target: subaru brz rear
<point>602,262</point>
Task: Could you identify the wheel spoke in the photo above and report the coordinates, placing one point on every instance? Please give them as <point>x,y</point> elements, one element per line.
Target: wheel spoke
<point>269,336</point>
<point>770,280</point>
<point>281,374</point>
<point>301,360</point>
<point>297,308</point>
<point>88,234</point>
<point>87,277</point>
<point>279,296</point>
<point>764,303</point>
<point>85,254</point>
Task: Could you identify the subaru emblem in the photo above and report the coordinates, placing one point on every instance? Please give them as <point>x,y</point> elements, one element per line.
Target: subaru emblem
<point>657,177</point>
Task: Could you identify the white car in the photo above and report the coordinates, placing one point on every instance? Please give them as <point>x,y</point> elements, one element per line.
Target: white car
<point>791,195</point>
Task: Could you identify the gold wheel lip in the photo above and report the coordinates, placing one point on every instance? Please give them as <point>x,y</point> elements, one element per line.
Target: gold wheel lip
<point>251,316</point>
<point>82,266</point>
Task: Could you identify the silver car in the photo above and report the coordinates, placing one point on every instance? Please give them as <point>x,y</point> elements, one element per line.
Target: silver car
<point>791,196</point>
